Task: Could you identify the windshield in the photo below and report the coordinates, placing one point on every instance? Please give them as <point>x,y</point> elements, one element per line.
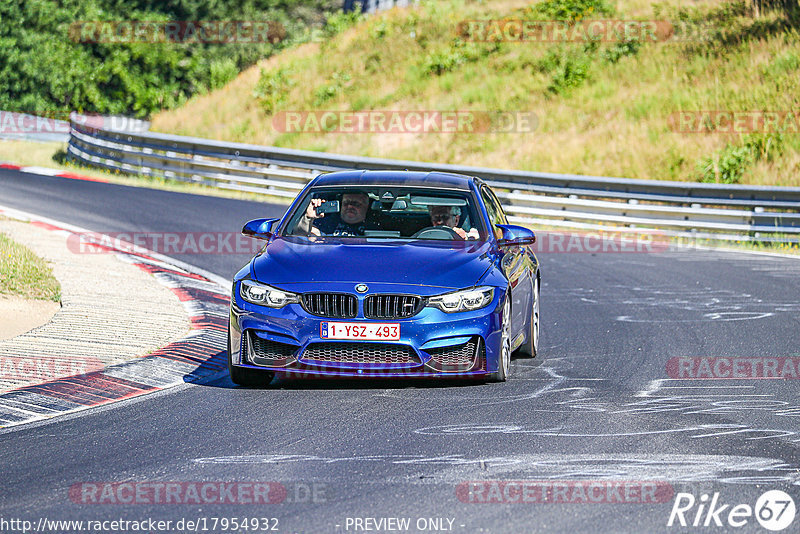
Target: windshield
<point>387,213</point>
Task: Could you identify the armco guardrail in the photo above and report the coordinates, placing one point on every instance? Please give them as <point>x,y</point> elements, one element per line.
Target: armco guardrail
<point>677,208</point>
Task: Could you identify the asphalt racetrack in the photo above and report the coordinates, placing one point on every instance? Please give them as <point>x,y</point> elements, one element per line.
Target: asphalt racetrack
<point>611,411</point>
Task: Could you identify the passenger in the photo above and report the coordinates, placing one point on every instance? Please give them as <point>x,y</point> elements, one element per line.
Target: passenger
<point>450,216</point>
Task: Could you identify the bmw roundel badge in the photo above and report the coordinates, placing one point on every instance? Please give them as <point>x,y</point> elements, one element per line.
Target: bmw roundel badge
<point>362,288</point>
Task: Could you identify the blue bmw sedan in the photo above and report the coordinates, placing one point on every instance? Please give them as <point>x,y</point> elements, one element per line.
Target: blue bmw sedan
<point>386,274</point>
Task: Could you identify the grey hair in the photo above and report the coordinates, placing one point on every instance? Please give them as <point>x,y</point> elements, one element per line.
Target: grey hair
<point>454,210</point>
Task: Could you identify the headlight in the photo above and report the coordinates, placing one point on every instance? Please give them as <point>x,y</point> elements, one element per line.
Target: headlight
<point>465,300</point>
<point>264,295</point>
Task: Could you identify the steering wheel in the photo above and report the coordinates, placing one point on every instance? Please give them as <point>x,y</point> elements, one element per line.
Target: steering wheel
<point>437,232</point>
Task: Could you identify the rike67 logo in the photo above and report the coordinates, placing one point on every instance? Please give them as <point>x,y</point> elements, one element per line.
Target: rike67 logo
<point>774,510</point>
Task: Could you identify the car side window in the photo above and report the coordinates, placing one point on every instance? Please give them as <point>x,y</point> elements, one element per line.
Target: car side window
<point>493,207</point>
<point>492,210</point>
<point>501,215</point>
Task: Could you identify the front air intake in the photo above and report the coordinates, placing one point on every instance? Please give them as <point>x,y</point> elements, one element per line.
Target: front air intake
<point>331,305</point>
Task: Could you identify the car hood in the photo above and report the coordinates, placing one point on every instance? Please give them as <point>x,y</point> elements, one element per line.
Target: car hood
<point>297,264</point>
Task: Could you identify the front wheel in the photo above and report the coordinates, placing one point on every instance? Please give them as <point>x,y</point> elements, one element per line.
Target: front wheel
<point>504,365</point>
<point>246,377</point>
<point>531,346</point>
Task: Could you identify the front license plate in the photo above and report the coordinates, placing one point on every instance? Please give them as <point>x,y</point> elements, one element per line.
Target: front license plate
<point>360,331</point>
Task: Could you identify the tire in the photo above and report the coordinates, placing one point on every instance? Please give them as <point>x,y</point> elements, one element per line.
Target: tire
<point>531,346</point>
<point>504,365</point>
<point>246,377</point>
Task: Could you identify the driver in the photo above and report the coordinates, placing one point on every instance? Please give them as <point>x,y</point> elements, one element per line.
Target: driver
<point>450,216</point>
<point>350,221</point>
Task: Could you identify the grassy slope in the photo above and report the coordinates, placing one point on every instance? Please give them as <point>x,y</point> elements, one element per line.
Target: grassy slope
<point>612,122</point>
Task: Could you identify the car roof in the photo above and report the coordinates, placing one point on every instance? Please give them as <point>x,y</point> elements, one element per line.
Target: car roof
<point>395,178</point>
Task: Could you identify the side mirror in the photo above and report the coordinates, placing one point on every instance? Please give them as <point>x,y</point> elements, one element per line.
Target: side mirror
<point>259,228</point>
<point>515,236</point>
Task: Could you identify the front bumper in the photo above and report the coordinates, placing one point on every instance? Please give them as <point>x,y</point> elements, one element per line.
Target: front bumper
<point>432,343</point>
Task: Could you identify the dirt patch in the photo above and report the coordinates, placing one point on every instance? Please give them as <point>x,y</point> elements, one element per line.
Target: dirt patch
<point>19,315</point>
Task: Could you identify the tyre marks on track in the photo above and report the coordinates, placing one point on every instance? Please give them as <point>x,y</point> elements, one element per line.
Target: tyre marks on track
<point>565,394</point>
<point>656,304</point>
<point>455,468</point>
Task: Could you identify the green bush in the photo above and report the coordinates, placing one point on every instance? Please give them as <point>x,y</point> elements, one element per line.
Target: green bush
<point>727,166</point>
<point>273,88</point>
<point>730,163</point>
<point>332,90</point>
<point>45,69</point>
<point>766,147</point>
<point>221,71</point>
<point>571,70</point>
<point>443,61</point>
<point>574,9</point>
<point>457,54</point>
<point>619,50</point>
<point>787,63</point>
<point>340,21</point>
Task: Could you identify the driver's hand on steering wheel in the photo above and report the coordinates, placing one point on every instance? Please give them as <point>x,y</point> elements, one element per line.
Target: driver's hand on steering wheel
<point>473,233</point>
